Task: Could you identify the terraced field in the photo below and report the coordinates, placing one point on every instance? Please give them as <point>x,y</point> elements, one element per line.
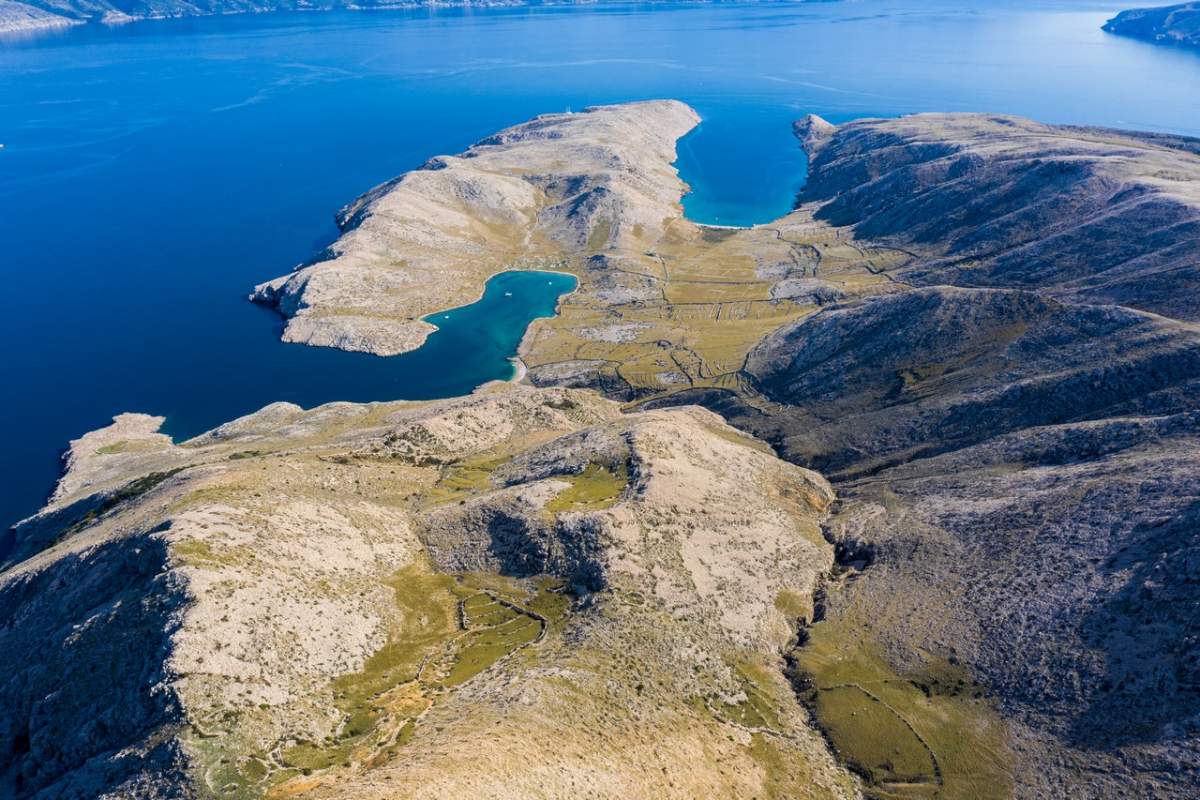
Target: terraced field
<point>685,313</point>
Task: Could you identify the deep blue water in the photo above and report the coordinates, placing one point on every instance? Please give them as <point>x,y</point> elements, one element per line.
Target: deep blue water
<point>153,172</point>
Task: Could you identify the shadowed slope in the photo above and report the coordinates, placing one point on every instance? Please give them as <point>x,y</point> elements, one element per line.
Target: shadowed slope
<point>921,372</point>
<point>1085,214</point>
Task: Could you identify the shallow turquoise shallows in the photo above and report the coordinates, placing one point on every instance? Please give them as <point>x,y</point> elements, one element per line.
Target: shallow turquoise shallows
<point>473,344</point>
<point>476,343</point>
<point>152,173</point>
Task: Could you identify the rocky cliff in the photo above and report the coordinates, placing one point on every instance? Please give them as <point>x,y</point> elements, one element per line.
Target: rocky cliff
<point>1176,25</point>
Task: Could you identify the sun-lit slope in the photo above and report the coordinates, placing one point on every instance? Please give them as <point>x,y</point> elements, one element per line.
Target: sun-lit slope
<point>1016,465</point>
<point>517,593</point>
<point>685,313</point>
<point>1013,470</point>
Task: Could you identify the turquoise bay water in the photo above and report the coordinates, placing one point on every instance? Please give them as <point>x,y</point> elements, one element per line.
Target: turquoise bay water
<point>153,172</point>
<point>473,344</point>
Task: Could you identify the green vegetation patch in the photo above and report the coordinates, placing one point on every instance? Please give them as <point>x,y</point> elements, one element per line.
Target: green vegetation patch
<point>426,601</point>
<point>484,648</point>
<point>737,437</point>
<point>133,489</point>
<point>872,737</point>
<point>464,479</point>
<point>929,733</point>
<point>450,629</point>
<point>202,553</point>
<point>550,601</point>
<point>793,605</point>
<point>760,709</point>
<point>380,702</point>
<point>128,446</point>
<point>714,235</point>
<point>501,619</point>
<point>598,486</point>
<point>600,234</point>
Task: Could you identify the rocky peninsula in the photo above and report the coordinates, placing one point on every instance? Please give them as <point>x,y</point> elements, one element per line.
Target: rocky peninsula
<point>1174,25</point>
<point>939,538</point>
<point>531,196</point>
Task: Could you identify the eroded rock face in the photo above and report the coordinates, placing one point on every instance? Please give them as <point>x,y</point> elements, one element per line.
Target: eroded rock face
<point>527,197</point>
<point>1085,214</point>
<point>501,594</point>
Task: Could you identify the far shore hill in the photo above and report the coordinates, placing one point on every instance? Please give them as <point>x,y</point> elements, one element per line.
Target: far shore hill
<point>1172,25</point>
<point>29,15</point>
<point>17,16</point>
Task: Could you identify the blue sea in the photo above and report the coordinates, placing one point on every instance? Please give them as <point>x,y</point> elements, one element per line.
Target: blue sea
<point>152,173</point>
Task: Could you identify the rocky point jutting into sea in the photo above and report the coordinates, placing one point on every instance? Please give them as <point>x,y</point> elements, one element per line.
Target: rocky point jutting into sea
<point>980,330</point>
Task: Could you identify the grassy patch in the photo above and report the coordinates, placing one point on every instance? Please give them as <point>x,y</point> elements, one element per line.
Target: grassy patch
<point>793,605</point>
<point>427,620</point>
<point>380,702</point>
<point>128,446</point>
<point>201,553</point>
<point>550,601</point>
<point>873,738</point>
<point>908,735</point>
<point>760,708</point>
<point>450,629</point>
<point>598,237</point>
<point>598,486</point>
<point>463,479</point>
<point>737,437</point>
<point>483,648</point>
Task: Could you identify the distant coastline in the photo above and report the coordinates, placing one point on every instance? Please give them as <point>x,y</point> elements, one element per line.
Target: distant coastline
<point>18,16</point>
<point>1177,25</point>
